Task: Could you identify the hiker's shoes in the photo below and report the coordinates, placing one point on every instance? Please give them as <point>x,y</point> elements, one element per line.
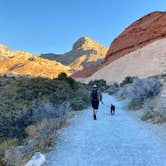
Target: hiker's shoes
<point>94,116</point>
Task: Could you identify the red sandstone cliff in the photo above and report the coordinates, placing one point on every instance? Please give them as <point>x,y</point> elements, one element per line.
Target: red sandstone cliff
<point>145,30</point>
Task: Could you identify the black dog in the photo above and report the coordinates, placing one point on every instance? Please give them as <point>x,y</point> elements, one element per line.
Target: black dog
<point>112,108</point>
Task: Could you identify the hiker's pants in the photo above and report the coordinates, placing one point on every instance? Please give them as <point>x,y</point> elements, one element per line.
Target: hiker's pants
<point>95,105</point>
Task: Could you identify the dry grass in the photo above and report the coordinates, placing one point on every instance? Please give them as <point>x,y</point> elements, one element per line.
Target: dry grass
<point>146,116</point>
<point>8,143</point>
<point>44,132</point>
<point>154,110</point>
<point>45,144</point>
<point>63,124</point>
<point>35,129</point>
<point>157,120</point>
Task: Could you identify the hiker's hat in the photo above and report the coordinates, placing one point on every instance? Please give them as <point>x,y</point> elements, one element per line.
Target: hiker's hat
<point>94,86</point>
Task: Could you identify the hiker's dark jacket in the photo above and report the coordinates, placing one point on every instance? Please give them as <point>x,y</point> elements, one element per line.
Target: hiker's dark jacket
<point>95,102</point>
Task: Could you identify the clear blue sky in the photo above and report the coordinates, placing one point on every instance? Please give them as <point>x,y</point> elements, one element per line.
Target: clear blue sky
<point>41,26</point>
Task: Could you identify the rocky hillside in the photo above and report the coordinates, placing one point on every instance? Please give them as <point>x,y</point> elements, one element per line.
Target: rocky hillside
<point>85,52</point>
<point>142,32</point>
<point>31,111</point>
<point>15,63</point>
<point>144,62</point>
<point>138,51</point>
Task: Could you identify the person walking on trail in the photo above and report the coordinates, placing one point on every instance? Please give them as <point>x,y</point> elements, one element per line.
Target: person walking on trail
<point>95,97</point>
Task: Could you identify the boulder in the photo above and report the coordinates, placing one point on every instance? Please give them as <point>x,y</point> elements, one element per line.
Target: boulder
<point>37,160</point>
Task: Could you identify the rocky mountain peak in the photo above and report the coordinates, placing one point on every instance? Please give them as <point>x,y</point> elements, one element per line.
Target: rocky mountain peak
<point>86,43</point>
<point>85,52</point>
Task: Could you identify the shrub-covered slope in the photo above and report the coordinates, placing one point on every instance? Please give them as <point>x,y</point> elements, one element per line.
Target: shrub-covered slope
<point>35,106</point>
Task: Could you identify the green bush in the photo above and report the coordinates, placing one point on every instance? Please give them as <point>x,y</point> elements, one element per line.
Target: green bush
<point>100,83</point>
<point>80,102</point>
<point>127,80</point>
<point>62,93</point>
<point>73,84</point>
<point>62,76</point>
<point>21,96</point>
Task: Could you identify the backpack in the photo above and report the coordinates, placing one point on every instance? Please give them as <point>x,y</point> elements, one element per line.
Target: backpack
<point>94,95</point>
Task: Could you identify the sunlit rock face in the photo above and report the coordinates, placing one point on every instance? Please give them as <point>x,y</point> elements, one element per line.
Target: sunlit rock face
<point>85,52</point>
<point>21,63</point>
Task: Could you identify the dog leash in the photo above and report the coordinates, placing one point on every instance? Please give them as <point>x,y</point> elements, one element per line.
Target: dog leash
<point>105,104</point>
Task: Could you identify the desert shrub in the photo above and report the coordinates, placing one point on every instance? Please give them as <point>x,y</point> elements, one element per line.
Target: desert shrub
<point>30,89</point>
<point>156,117</point>
<point>25,101</point>
<point>135,103</point>
<point>80,102</point>
<point>127,80</point>
<point>147,115</point>
<point>100,83</point>
<point>154,109</point>
<point>62,76</point>
<point>140,90</point>
<point>72,83</point>
<point>28,104</point>
<point>6,144</point>
<point>34,130</point>
<point>113,88</point>
<point>61,94</point>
